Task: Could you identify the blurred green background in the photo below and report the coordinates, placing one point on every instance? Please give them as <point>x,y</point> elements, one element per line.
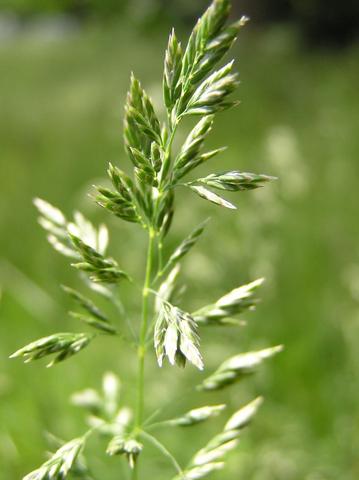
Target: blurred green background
<point>64,73</point>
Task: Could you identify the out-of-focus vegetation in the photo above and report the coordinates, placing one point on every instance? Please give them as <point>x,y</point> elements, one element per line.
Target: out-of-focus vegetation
<point>322,22</point>
<point>61,103</point>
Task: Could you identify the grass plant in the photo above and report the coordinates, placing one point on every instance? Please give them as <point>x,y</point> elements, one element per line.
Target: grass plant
<point>195,87</point>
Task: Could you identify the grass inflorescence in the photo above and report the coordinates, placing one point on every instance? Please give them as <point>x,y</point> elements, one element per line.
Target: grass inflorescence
<point>194,86</point>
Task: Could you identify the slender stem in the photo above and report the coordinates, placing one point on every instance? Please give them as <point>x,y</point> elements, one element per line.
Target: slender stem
<point>164,423</point>
<point>116,300</point>
<point>160,253</point>
<point>121,310</point>
<point>142,344</point>
<point>134,472</point>
<point>170,404</point>
<point>172,136</point>
<point>163,450</point>
<point>141,351</point>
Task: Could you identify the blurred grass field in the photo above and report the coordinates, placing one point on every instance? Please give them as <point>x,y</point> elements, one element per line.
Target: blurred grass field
<point>61,103</point>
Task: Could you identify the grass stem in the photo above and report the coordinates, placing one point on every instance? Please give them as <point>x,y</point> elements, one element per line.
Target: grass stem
<point>141,351</point>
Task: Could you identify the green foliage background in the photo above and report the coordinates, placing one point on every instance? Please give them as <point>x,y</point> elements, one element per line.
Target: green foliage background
<point>61,103</point>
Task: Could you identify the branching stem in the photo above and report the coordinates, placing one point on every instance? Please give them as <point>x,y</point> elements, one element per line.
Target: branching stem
<point>156,443</point>
<point>141,351</point>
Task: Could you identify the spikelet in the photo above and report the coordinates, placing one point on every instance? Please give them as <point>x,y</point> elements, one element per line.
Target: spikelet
<point>237,367</point>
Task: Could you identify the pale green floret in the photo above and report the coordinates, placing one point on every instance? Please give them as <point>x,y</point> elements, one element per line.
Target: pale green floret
<point>175,336</point>
<point>64,345</point>
<point>238,367</point>
<point>60,464</point>
<point>233,303</point>
<point>197,415</point>
<point>206,460</point>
